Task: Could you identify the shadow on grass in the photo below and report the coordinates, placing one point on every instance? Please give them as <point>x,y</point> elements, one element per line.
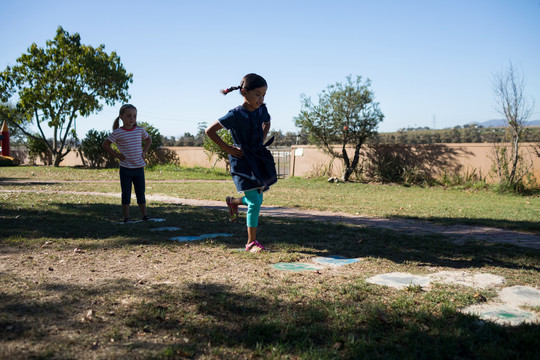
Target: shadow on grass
<point>527,226</point>
<point>425,250</point>
<point>94,225</point>
<point>196,319</point>
<point>46,316</point>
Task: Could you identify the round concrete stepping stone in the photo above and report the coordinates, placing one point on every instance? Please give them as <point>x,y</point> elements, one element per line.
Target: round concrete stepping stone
<point>296,267</point>
<point>399,280</point>
<point>501,314</point>
<point>166,228</point>
<point>520,296</point>
<point>479,280</point>
<point>334,260</point>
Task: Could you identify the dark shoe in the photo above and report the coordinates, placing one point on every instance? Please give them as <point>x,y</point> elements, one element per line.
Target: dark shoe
<point>126,220</point>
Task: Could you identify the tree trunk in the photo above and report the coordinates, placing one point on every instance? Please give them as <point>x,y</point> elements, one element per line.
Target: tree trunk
<point>347,164</point>
<point>515,160</point>
<point>57,159</point>
<point>351,167</point>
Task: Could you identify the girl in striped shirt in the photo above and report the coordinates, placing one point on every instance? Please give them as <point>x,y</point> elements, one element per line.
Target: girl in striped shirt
<point>129,139</point>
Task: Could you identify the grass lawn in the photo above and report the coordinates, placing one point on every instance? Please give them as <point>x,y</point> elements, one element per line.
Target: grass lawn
<point>438,204</point>
<point>76,284</point>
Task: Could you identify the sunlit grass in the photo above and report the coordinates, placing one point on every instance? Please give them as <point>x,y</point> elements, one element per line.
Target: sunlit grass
<point>439,204</point>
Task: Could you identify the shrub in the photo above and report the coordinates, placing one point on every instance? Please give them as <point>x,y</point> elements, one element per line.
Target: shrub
<point>408,165</point>
<point>156,154</point>
<point>38,148</point>
<point>93,151</point>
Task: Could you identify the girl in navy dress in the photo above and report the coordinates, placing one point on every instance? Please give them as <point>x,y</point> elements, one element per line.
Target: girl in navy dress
<point>252,165</point>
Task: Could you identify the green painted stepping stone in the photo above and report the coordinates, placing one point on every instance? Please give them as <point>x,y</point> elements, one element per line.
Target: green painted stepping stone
<point>296,267</point>
<point>167,228</point>
<point>200,237</point>
<point>501,314</point>
<point>334,260</point>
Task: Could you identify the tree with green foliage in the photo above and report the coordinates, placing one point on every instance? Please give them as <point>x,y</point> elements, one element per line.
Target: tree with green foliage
<point>62,81</point>
<point>346,115</point>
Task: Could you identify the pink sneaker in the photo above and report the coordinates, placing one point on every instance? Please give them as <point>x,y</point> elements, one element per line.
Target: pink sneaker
<point>255,247</point>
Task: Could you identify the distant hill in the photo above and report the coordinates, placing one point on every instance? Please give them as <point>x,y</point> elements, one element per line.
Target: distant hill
<point>501,122</point>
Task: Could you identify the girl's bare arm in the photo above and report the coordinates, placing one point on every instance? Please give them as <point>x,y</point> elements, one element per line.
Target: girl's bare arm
<point>211,131</point>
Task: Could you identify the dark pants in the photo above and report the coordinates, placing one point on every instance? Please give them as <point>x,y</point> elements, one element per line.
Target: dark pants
<point>129,176</point>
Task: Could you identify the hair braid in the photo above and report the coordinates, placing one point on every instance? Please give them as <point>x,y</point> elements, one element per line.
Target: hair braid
<point>228,90</point>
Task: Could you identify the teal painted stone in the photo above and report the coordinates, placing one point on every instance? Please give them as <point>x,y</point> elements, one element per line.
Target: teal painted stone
<point>211,236</point>
<point>200,237</point>
<point>186,238</point>
<point>296,267</point>
<point>501,314</point>
<point>334,260</point>
<point>167,228</point>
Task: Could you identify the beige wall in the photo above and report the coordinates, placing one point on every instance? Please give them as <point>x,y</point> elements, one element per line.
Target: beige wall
<point>311,161</point>
<point>189,156</point>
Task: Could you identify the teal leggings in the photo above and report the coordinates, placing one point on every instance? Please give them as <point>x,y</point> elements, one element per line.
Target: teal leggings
<point>253,200</point>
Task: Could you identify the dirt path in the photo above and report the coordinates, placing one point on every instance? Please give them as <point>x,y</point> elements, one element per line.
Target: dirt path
<point>458,233</point>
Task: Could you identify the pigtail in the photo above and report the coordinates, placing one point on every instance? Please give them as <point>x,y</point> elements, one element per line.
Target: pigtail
<point>116,123</point>
<point>232,88</point>
<point>124,107</point>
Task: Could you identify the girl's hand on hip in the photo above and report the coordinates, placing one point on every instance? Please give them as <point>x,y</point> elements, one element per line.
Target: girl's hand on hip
<point>236,152</point>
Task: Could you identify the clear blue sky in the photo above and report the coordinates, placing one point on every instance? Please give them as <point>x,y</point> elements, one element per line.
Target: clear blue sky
<point>431,62</point>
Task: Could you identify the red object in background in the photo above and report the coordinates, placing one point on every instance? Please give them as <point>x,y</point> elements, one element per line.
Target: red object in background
<point>345,128</point>
<point>5,140</point>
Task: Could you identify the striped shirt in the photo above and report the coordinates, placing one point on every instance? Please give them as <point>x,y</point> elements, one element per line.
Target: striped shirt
<point>129,143</point>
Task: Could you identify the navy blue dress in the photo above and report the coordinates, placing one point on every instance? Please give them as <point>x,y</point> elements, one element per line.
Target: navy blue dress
<point>256,170</point>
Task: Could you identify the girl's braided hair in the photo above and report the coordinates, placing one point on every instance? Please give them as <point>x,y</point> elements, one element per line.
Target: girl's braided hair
<point>249,82</point>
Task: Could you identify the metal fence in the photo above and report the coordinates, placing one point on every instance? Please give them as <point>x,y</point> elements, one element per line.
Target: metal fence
<point>282,158</point>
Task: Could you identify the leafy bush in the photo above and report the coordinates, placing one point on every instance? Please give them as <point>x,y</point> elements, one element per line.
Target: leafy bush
<point>156,154</point>
<point>93,151</point>
<point>153,132</point>
<point>162,156</point>
<point>408,165</point>
<point>38,148</point>
<point>398,164</point>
